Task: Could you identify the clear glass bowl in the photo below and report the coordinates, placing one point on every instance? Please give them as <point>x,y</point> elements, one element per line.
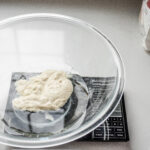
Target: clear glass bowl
<point>32,43</point>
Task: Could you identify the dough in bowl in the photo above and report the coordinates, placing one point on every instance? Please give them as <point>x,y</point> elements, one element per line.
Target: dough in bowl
<point>48,91</point>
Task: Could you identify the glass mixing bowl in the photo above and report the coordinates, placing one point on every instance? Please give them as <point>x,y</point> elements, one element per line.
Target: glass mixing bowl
<point>33,43</point>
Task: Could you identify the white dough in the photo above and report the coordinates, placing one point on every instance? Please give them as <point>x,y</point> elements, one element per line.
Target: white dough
<point>48,91</point>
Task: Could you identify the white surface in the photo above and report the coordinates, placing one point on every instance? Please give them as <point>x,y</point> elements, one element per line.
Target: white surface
<point>118,19</point>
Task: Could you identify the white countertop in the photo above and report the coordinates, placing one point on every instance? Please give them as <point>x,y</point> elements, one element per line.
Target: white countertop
<point>118,19</point>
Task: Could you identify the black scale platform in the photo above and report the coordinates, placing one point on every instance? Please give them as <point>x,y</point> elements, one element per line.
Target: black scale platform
<point>113,129</point>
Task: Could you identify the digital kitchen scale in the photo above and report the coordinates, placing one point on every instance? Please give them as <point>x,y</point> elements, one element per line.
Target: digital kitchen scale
<point>113,129</point>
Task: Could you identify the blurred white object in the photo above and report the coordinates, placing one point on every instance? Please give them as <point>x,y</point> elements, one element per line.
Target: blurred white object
<point>145,23</point>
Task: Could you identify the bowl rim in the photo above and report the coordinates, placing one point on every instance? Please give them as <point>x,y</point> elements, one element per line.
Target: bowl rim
<point>86,128</point>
